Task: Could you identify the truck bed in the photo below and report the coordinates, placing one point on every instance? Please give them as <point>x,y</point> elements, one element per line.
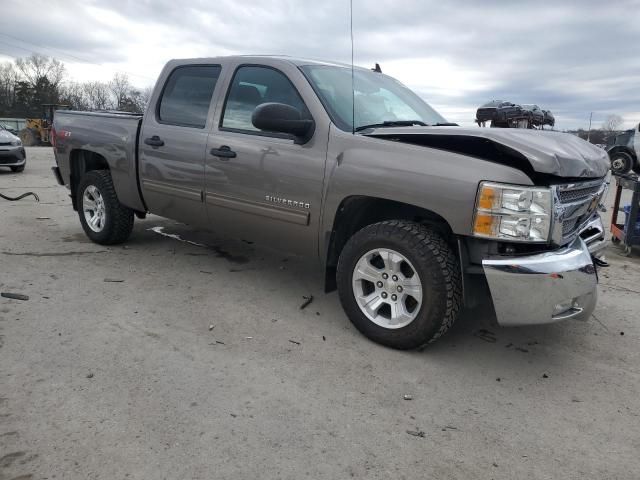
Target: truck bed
<point>112,135</point>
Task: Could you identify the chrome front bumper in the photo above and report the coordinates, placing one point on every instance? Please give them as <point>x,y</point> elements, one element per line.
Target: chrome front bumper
<point>543,288</point>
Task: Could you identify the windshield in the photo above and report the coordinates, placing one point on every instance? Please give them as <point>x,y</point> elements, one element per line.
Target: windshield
<point>378,98</point>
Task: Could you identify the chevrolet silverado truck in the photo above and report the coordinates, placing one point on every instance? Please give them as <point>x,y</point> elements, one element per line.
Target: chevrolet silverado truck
<point>411,218</point>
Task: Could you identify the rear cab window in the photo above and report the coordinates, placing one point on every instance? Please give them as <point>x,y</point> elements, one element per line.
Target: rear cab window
<point>186,95</point>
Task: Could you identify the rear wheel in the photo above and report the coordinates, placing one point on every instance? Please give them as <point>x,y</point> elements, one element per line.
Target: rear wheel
<point>621,163</point>
<point>399,283</point>
<point>29,137</point>
<point>104,219</point>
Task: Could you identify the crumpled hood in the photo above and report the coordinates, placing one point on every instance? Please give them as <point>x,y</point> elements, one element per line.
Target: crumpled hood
<point>548,152</point>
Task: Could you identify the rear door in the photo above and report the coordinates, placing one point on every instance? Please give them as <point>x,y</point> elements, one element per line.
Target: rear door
<point>269,188</point>
<point>173,141</point>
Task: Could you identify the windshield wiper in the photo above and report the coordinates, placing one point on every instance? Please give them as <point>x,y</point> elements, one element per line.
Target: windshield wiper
<point>445,124</point>
<point>392,123</point>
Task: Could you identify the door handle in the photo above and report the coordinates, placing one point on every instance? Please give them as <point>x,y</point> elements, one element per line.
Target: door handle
<point>224,152</point>
<point>154,141</point>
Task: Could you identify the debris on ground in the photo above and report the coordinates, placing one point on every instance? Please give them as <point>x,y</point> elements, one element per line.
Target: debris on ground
<point>544,375</point>
<point>621,333</point>
<point>211,327</point>
<point>520,349</point>
<point>89,375</point>
<point>408,397</point>
<point>113,280</point>
<point>220,343</point>
<point>324,339</point>
<point>416,433</point>
<point>498,379</point>
<point>307,301</point>
<point>20,197</point>
<point>205,271</point>
<point>248,338</point>
<point>43,218</point>
<point>485,335</point>
<point>293,341</point>
<point>15,296</point>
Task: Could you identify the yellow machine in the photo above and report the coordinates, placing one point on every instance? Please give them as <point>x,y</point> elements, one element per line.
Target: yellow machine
<point>37,130</point>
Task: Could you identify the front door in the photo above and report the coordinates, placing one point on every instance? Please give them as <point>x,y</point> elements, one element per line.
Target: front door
<point>173,142</point>
<point>262,186</point>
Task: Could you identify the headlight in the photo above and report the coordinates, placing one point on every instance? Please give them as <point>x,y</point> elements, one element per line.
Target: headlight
<point>512,212</point>
<point>16,142</point>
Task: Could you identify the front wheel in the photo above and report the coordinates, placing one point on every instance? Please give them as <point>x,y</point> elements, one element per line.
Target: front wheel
<point>399,283</point>
<point>18,169</point>
<point>104,219</point>
<point>621,163</point>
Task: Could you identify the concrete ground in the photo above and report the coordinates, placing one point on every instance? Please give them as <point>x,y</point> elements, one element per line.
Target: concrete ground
<point>198,363</point>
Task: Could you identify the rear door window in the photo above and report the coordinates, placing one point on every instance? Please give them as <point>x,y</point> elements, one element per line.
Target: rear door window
<point>187,95</point>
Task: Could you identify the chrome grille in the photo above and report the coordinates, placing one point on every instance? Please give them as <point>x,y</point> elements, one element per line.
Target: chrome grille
<point>576,204</point>
<point>580,193</point>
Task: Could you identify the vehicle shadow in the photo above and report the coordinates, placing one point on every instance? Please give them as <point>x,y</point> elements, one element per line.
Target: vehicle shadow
<point>476,334</point>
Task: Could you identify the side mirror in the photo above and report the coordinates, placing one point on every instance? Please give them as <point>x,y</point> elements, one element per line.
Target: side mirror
<point>282,118</point>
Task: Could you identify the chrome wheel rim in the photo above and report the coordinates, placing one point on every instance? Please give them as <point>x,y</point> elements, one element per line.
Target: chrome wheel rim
<point>387,288</point>
<point>618,163</point>
<point>94,209</point>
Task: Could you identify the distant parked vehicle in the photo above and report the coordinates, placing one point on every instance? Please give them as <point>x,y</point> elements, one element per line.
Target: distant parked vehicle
<point>12,152</point>
<point>4,126</point>
<point>624,151</point>
<point>534,114</point>
<point>503,114</point>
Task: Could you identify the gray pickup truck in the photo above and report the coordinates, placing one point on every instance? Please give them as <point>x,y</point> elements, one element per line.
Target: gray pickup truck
<point>412,218</point>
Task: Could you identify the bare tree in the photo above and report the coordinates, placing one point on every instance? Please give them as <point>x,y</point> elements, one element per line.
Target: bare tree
<point>37,68</point>
<point>612,123</point>
<point>98,95</point>
<point>120,88</point>
<point>73,94</point>
<point>8,80</point>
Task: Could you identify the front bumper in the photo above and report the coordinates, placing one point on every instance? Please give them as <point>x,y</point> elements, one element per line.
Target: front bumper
<point>543,288</point>
<point>12,157</point>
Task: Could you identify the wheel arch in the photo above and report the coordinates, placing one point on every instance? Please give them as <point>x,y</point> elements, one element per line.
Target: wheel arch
<point>80,162</point>
<point>357,211</point>
<point>622,149</point>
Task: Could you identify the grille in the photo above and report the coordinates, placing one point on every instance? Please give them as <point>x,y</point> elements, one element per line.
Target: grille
<point>577,206</point>
<point>577,194</point>
<point>5,144</point>
<point>569,226</point>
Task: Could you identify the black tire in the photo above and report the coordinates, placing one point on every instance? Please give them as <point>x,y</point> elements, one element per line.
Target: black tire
<point>439,272</point>
<point>118,219</point>
<point>18,169</point>
<point>621,163</point>
<point>29,137</point>
<point>615,240</point>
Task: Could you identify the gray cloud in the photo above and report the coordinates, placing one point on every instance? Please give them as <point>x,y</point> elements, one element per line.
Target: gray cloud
<point>571,57</point>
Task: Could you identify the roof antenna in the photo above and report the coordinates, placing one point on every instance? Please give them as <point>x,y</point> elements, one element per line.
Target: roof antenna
<point>377,68</point>
<point>353,87</point>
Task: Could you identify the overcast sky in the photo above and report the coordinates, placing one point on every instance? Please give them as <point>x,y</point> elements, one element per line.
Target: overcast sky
<point>571,57</point>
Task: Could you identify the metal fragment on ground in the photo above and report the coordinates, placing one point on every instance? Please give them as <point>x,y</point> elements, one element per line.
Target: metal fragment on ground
<point>307,302</point>
<point>14,296</point>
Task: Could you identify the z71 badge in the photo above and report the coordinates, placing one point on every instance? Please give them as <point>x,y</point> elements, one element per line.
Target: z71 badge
<point>287,202</point>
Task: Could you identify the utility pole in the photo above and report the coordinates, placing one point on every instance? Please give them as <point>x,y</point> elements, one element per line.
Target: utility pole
<point>589,132</point>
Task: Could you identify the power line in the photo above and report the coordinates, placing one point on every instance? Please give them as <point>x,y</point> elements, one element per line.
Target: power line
<point>61,53</point>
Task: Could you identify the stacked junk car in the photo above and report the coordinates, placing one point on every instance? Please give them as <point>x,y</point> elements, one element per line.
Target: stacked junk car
<point>500,114</point>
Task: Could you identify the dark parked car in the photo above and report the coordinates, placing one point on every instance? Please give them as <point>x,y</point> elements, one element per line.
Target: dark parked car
<point>549,119</point>
<point>12,152</point>
<point>498,112</point>
<point>534,114</point>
